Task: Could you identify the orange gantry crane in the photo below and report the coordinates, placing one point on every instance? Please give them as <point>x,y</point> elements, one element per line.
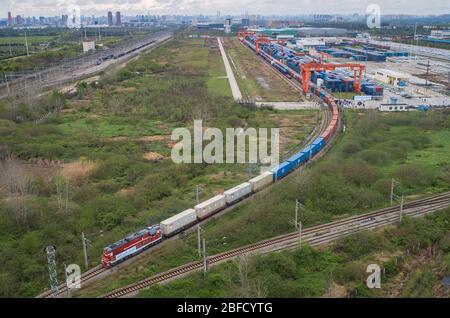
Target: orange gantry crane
<point>306,69</point>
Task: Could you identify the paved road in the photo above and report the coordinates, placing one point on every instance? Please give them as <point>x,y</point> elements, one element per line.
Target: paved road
<point>231,79</point>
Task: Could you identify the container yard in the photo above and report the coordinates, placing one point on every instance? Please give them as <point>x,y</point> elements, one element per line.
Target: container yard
<point>367,75</point>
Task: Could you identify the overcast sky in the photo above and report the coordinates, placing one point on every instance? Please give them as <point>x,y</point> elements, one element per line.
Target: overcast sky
<point>266,7</point>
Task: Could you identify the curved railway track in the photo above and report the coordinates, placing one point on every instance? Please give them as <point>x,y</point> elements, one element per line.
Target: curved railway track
<point>317,235</point>
<point>98,270</point>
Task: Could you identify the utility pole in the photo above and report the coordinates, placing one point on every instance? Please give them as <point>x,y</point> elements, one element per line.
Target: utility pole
<point>84,241</point>
<point>205,261</point>
<point>26,43</point>
<point>9,41</point>
<point>401,209</point>
<point>300,234</point>
<point>392,190</point>
<point>7,84</point>
<point>197,194</point>
<point>199,241</point>
<point>51,260</point>
<point>67,283</point>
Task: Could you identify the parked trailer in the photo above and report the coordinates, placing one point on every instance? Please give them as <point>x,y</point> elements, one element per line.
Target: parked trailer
<point>238,192</point>
<point>210,206</point>
<point>178,222</point>
<point>261,181</point>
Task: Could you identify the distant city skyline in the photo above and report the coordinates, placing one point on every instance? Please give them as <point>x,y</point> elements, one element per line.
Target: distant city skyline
<point>226,7</point>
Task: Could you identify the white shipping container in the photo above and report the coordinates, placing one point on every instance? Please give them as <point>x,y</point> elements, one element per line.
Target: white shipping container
<point>261,181</point>
<point>210,206</point>
<point>238,192</point>
<point>178,221</point>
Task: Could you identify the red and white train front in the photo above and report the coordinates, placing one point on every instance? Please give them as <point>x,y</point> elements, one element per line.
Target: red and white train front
<point>131,245</point>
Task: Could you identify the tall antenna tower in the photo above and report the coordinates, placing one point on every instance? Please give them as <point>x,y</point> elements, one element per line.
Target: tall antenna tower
<point>51,259</point>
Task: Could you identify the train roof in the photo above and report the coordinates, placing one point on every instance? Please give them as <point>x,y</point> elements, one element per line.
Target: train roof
<point>131,237</point>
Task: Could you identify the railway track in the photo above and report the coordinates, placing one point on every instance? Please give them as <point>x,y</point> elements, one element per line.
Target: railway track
<point>99,270</point>
<point>317,235</point>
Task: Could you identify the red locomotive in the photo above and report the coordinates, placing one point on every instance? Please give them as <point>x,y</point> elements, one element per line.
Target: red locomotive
<point>131,245</point>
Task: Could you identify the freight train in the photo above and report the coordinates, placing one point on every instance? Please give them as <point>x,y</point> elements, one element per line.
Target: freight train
<point>150,236</point>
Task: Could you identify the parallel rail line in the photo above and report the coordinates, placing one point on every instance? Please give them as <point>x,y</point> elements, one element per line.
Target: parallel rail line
<point>314,236</point>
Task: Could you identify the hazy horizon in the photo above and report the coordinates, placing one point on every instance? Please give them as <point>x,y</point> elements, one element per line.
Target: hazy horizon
<point>229,7</point>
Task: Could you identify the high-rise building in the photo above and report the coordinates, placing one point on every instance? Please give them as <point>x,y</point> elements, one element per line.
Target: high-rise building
<point>110,18</point>
<point>10,19</point>
<point>18,19</point>
<point>245,22</point>
<point>118,19</point>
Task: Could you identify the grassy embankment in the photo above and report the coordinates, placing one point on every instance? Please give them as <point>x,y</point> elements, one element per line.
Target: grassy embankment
<point>354,177</point>
<point>114,140</point>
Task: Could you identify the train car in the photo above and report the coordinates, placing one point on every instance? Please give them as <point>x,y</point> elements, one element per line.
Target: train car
<point>326,135</point>
<point>282,170</point>
<point>131,245</point>
<point>298,159</point>
<point>317,145</point>
<point>308,151</point>
<point>260,182</point>
<point>179,222</point>
<point>238,193</point>
<point>319,141</point>
<point>211,206</point>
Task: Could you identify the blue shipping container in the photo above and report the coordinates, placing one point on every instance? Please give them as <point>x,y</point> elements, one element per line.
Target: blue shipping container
<point>282,170</point>
<point>299,158</point>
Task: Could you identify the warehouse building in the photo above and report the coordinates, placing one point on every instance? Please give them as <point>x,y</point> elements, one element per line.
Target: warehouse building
<point>303,32</point>
<point>394,108</point>
<point>391,77</point>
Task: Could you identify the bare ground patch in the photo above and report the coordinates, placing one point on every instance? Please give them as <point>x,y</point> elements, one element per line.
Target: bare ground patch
<point>153,156</point>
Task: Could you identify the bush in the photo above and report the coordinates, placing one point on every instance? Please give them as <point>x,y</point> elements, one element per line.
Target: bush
<point>374,157</point>
<point>351,148</point>
<point>353,272</point>
<point>414,175</point>
<point>360,173</point>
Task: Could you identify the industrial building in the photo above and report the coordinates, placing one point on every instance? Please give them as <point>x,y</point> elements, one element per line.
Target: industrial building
<point>392,78</point>
<point>210,26</point>
<point>88,45</point>
<point>303,32</point>
<point>394,108</point>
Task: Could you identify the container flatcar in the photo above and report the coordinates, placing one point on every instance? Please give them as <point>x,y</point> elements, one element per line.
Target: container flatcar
<point>282,170</point>
<point>261,181</point>
<point>210,206</point>
<point>238,193</point>
<point>179,222</point>
<point>298,159</point>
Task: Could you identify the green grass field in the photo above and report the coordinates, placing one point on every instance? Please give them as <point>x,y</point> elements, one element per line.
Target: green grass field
<point>114,125</point>
<point>355,176</point>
